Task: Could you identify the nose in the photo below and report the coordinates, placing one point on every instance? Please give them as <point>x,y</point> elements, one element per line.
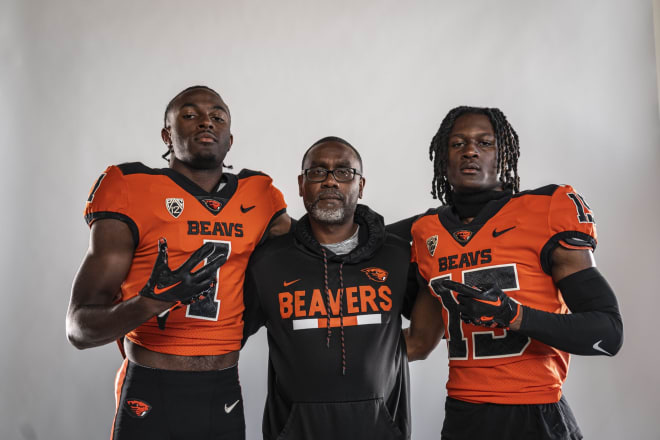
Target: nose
<point>205,122</point>
<point>330,181</point>
<point>470,149</point>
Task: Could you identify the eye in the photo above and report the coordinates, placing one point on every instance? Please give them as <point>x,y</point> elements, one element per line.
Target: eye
<point>343,173</point>
<point>457,144</point>
<point>218,118</point>
<point>188,116</point>
<point>316,172</point>
<point>487,143</point>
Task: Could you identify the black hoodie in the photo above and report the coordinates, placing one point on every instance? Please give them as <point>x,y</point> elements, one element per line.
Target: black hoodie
<point>349,380</point>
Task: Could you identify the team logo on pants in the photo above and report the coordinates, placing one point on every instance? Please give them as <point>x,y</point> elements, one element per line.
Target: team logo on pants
<point>137,408</point>
<point>174,206</point>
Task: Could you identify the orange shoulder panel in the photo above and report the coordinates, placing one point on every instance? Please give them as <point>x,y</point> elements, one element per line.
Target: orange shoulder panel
<point>108,194</point>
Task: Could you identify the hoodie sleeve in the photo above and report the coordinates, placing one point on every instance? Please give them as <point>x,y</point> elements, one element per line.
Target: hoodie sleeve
<point>253,316</point>
<point>402,227</point>
<point>412,287</point>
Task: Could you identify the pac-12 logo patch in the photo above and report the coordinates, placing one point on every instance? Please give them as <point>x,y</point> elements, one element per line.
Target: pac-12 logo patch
<point>376,274</point>
<point>212,205</point>
<point>174,206</point>
<point>137,408</point>
<point>431,244</point>
<point>462,236</point>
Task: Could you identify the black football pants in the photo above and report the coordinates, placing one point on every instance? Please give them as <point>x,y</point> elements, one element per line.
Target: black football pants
<point>172,405</point>
<point>549,421</point>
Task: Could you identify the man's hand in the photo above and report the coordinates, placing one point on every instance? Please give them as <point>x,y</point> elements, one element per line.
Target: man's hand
<point>489,308</point>
<point>182,286</point>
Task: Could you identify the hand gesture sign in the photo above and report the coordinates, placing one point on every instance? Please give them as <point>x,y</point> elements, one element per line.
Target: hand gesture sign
<point>488,308</point>
<point>182,286</point>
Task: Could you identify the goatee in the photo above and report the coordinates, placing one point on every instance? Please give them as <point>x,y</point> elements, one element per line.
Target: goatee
<point>334,216</point>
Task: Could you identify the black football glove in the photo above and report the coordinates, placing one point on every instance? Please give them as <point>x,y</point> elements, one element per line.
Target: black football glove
<point>489,308</point>
<point>182,286</point>
<point>162,318</point>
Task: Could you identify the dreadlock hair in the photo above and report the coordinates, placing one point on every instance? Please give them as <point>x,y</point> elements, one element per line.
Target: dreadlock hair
<point>170,105</point>
<point>508,151</point>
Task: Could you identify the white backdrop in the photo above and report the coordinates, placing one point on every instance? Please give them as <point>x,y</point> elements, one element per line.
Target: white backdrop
<point>84,84</point>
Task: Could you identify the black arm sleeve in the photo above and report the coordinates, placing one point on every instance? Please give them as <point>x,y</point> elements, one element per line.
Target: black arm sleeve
<point>253,316</point>
<point>594,326</point>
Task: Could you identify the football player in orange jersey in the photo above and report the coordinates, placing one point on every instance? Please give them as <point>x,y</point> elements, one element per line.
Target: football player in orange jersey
<point>516,277</point>
<point>179,378</point>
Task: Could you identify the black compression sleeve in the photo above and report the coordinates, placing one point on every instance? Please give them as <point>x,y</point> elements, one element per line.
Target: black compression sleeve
<point>594,326</point>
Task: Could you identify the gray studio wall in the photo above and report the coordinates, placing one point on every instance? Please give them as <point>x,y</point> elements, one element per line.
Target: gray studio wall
<point>84,85</point>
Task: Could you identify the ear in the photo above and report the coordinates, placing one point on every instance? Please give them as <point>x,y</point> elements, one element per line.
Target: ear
<point>300,185</point>
<point>166,136</point>
<point>363,182</point>
<point>231,141</point>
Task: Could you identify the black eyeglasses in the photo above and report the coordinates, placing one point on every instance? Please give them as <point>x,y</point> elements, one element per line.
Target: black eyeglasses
<point>319,174</point>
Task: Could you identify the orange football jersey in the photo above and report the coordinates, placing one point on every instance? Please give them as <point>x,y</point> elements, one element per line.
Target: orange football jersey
<point>508,244</point>
<point>158,203</point>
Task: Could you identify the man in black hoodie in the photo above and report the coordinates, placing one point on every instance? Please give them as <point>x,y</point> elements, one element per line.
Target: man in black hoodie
<point>331,294</point>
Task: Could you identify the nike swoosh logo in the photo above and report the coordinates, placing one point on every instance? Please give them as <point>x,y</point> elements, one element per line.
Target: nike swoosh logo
<point>158,291</point>
<point>602,350</point>
<point>244,210</point>
<point>497,233</point>
<point>491,303</point>
<point>290,282</point>
<point>229,408</point>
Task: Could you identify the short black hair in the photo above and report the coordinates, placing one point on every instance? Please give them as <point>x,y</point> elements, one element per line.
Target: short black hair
<point>182,92</point>
<point>508,151</point>
<point>332,139</point>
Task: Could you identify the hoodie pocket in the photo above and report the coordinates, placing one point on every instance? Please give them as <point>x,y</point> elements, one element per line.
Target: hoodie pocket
<point>357,420</point>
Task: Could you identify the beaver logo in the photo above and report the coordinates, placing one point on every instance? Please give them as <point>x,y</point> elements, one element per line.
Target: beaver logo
<point>462,236</point>
<point>376,274</point>
<point>212,205</point>
<point>137,408</point>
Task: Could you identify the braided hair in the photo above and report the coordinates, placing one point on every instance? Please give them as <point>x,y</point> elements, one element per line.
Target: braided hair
<point>508,151</point>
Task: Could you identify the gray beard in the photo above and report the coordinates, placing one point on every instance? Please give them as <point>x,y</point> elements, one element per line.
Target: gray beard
<point>328,216</point>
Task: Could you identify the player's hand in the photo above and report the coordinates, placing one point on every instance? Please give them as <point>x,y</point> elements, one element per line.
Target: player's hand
<point>489,308</point>
<point>182,286</point>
